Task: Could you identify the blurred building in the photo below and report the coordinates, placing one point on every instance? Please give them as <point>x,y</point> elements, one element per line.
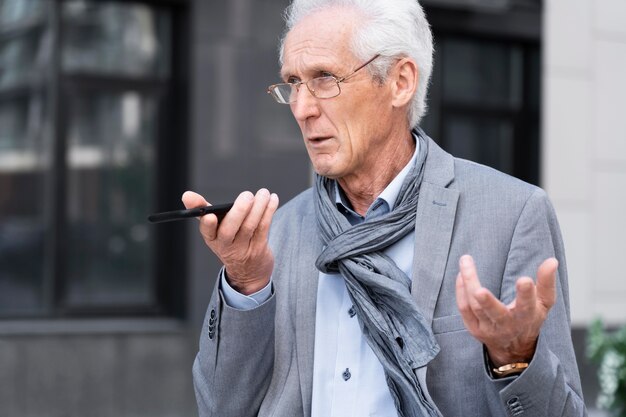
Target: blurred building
<point>584,154</point>
<point>110,110</point>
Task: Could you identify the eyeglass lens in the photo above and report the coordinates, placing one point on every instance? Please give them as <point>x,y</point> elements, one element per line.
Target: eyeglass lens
<point>320,87</point>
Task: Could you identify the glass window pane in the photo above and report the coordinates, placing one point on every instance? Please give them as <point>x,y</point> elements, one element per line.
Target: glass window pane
<point>24,49</point>
<point>24,157</point>
<point>533,80</point>
<point>482,73</point>
<point>115,38</point>
<point>21,123</point>
<point>110,186</point>
<point>486,141</point>
<point>21,11</point>
<point>21,242</point>
<point>13,119</point>
<point>23,169</point>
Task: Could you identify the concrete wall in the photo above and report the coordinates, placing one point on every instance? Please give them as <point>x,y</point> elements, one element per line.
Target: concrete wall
<point>584,144</point>
<point>96,368</point>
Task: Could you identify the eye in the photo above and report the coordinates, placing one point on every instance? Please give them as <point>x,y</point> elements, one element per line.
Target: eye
<point>293,80</point>
<point>327,74</point>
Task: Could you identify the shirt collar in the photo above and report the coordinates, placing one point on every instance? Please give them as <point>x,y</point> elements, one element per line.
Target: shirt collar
<point>387,199</point>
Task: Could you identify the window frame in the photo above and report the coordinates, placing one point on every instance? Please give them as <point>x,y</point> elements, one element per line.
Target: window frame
<point>520,27</point>
<point>169,278</point>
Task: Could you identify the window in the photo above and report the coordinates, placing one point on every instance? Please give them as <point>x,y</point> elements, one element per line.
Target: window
<point>484,97</point>
<point>86,107</point>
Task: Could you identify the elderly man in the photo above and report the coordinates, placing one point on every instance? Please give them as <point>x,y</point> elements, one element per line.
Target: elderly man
<point>361,299</point>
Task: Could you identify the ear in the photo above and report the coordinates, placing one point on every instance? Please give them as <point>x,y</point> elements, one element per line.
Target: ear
<point>404,81</point>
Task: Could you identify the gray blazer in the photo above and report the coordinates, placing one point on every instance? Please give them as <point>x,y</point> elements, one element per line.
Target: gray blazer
<point>260,362</point>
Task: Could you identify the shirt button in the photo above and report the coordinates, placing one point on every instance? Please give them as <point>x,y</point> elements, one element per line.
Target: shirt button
<point>352,311</point>
<point>346,374</point>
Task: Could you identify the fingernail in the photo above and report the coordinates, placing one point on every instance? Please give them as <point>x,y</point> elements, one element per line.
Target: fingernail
<point>466,260</point>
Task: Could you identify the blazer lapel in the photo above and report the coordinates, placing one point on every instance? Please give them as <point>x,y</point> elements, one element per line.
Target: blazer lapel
<point>436,211</point>
<point>309,247</point>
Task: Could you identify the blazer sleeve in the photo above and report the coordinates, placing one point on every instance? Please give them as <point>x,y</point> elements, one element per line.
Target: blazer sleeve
<point>550,386</point>
<point>233,368</point>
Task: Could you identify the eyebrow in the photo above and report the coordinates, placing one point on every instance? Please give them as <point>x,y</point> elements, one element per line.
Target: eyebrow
<point>284,75</point>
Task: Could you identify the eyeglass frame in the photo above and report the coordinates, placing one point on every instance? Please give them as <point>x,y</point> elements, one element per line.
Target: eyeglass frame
<point>306,83</point>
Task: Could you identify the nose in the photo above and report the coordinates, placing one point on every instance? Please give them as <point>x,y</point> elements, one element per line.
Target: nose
<point>306,105</point>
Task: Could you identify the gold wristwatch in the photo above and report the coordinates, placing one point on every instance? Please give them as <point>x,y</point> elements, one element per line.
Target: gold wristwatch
<point>503,371</point>
<point>509,369</point>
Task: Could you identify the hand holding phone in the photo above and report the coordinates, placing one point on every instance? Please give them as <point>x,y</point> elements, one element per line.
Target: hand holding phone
<point>219,210</point>
<point>241,240</point>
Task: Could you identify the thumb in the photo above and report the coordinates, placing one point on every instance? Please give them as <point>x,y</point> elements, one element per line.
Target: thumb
<point>192,200</point>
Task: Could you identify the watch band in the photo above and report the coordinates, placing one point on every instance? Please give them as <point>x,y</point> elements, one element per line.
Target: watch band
<point>509,369</point>
<point>503,371</point>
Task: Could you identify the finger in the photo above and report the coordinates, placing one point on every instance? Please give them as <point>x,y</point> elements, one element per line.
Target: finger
<point>264,226</point>
<point>546,282</point>
<point>468,271</point>
<point>251,222</point>
<point>232,222</point>
<point>208,227</point>
<point>462,302</point>
<point>472,285</point>
<point>526,297</point>
<point>193,200</point>
<point>493,308</point>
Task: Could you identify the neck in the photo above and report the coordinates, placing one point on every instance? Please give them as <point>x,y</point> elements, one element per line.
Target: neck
<point>364,187</point>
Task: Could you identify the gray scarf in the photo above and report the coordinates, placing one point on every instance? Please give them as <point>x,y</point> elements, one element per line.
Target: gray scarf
<point>392,324</point>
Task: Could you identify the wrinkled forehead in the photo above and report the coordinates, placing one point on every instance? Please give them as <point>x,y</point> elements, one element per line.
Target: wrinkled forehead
<point>324,36</point>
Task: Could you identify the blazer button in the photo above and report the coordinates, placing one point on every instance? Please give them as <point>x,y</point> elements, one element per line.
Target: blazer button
<point>212,320</point>
<point>515,406</point>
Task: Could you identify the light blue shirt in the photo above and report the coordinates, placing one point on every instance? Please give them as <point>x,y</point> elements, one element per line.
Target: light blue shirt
<point>348,379</point>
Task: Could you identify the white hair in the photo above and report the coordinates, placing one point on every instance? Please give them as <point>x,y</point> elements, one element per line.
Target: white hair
<point>391,28</point>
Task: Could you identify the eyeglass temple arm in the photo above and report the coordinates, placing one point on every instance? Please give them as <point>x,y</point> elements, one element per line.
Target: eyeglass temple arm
<point>358,69</point>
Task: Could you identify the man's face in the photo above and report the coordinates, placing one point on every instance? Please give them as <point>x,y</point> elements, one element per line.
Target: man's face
<point>344,135</point>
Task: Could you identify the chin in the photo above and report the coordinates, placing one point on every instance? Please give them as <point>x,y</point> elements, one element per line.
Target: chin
<point>330,166</point>
<point>326,172</point>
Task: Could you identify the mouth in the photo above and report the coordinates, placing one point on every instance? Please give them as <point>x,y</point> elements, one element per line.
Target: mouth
<point>318,139</point>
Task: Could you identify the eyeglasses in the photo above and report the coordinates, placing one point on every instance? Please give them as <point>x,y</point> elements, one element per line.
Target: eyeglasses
<point>320,87</point>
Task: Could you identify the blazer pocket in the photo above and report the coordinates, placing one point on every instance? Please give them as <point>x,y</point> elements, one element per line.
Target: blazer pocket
<point>448,324</point>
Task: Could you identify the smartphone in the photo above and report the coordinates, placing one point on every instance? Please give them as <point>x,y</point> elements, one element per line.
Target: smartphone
<point>219,210</point>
